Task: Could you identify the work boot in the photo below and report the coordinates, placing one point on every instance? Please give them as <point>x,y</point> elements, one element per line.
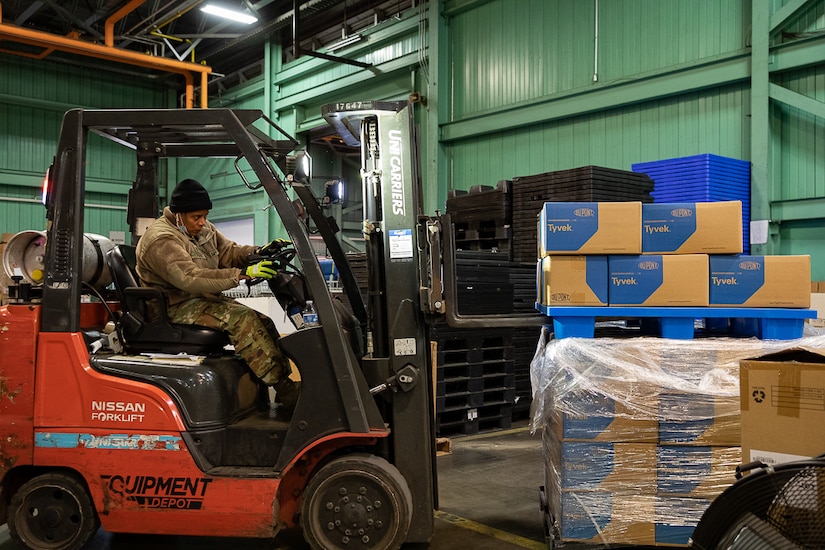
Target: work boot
<point>287,392</point>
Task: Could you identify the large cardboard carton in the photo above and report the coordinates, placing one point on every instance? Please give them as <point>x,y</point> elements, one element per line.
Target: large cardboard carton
<point>589,416</point>
<point>676,519</point>
<point>760,281</point>
<point>782,397</point>
<point>691,418</point>
<point>573,281</point>
<point>590,228</point>
<point>692,228</point>
<point>658,280</point>
<point>606,517</point>
<point>608,466</point>
<point>696,471</point>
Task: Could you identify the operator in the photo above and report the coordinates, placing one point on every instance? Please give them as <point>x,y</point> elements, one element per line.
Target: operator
<point>185,256</point>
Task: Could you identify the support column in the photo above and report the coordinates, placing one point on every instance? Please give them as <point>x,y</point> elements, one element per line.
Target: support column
<point>436,173</point>
<point>760,122</point>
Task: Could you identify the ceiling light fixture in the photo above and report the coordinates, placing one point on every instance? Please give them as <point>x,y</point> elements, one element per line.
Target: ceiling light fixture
<point>344,42</point>
<point>229,14</point>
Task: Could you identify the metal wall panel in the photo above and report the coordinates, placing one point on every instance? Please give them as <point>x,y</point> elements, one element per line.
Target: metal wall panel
<point>801,138</point>
<point>34,95</point>
<point>505,52</point>
<point>712,121</point>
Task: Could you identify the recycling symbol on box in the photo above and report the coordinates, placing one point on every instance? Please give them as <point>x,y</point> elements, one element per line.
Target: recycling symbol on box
<point>758,396</point>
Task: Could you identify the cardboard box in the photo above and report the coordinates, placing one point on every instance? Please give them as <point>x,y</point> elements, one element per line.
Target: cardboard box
<point>676,518</point>
<point>818,303</point>
<point>658,280</point>
<point>589,416</point>
<point>573,281</point>
<point>692,228</point>
<point>782,397</point>
<point>696,471</point>
<point>606,517</point>
<point>607,466</point>
<point>760,281</point>
<point>696,419</point>
<point>590,228</point>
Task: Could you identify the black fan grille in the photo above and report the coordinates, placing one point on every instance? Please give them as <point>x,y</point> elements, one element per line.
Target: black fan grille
<point>798,511</point>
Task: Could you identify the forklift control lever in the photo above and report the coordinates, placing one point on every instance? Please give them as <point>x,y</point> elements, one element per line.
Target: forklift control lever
<point>405,380</point>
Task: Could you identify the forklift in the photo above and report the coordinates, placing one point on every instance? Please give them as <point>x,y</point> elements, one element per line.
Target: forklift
<point>113,417</point>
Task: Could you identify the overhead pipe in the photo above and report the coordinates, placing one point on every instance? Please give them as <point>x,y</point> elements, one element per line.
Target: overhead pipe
<point>109,53</point>
<point>109,28</point>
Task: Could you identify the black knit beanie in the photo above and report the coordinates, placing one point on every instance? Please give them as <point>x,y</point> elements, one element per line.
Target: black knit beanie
<point>189,196</point>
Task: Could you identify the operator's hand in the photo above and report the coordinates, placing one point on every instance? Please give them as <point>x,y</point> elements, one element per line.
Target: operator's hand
<point>274,246</point>
<point>262,270</point>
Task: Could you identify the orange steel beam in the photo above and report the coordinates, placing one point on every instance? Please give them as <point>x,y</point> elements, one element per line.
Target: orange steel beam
<point>109,28</point>
<point>109,53</point>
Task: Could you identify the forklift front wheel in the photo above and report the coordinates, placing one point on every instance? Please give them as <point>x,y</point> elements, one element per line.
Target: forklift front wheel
<point>356,502</point>
<point>52,511</point>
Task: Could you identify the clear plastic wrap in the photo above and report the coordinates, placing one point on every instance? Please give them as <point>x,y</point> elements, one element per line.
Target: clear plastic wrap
<point>639,434</point>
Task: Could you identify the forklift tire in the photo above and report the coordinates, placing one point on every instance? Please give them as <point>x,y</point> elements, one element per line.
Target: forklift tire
<point>358,502</point>
<point>52,512</point>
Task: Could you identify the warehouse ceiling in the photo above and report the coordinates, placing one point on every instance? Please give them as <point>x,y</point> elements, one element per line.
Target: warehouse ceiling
<point>180,30</point>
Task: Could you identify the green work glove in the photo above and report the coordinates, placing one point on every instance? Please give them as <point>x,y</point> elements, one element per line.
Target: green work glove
<point>261,270</point>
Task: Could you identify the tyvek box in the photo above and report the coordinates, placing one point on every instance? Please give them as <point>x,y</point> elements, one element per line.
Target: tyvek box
<point>760,281</point>
<point>590,228</point>
<point>606,517</point>
<point>692,228</point>
<point>608,466</point>
<point>658,280</point>
<point>676,518</point>
<point>573,281</point>
<point>588,416</point>
<point>782,398</point>
<point>696,471</point>
<point>697,419</point>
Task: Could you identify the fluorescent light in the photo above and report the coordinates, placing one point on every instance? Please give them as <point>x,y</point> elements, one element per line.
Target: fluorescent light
<point>229,14</point>
<point>344,42</point>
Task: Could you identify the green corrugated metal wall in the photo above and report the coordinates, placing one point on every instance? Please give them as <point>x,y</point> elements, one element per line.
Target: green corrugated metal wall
<point>516,87</point>
<point>33,97</point>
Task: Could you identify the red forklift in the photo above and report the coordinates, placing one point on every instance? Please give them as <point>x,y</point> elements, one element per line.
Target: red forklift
<point>104,423</point>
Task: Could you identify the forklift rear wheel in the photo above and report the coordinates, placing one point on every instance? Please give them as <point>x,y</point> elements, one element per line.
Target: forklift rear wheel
<point>52,512</point>
<point>356,502</point>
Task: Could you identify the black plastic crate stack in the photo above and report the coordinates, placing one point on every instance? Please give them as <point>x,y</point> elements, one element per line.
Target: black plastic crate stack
<point>475,382</point>
<point>482,218</point>
<point>585,184</point>
<point>524,347</point>
<point>523,279</point>
<point>483,283</point>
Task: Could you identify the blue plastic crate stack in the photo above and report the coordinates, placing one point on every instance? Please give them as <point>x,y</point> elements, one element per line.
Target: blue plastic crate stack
<point>702,178</point>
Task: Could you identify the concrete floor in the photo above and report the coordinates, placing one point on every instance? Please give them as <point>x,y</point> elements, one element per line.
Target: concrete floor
<point>488,496</point>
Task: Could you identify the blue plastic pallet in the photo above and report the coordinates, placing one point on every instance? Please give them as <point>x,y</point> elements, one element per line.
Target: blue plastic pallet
<point>695,160</point>
<point>678,322</point>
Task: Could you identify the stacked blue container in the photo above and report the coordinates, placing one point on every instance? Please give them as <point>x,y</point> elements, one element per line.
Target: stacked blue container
<point>702,178</point>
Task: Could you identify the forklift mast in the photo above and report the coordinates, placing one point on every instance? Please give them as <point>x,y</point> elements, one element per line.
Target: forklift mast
<point>397,336</point>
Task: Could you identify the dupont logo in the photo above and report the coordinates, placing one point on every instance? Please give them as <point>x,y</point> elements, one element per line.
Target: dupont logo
<point>681,212</point>
<point>584,212</point>
<point>560,297</point>
<point>750,265</point>
<point>648,265</point>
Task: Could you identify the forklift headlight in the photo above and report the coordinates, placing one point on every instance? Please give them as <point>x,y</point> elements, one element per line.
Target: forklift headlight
<point>303,167</point>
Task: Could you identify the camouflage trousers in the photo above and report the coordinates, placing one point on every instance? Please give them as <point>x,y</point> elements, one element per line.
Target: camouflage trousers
<point>253,334</point>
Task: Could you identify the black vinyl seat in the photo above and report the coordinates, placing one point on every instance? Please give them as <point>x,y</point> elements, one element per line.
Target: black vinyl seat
<point>142,331</point>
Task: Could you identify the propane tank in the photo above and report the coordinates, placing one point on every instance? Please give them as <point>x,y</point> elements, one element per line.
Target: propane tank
<point>25,254</point>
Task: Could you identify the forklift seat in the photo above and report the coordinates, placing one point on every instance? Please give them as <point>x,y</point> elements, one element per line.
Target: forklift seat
<point>142,331</point>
